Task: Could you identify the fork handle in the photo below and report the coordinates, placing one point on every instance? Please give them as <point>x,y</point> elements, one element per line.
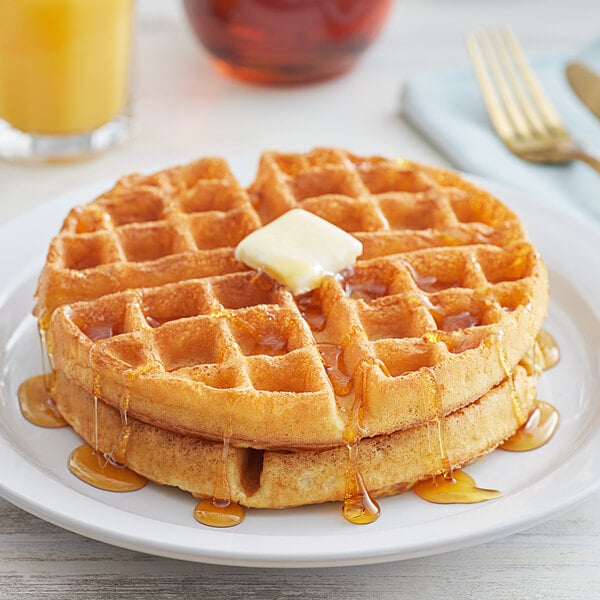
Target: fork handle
<point>586,158</point>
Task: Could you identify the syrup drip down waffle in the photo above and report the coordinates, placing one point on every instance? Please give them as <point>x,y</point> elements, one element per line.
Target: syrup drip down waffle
<point>194,370</point>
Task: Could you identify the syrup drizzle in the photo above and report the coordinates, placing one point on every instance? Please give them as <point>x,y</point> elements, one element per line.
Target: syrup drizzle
<point>35,393</point>
<point>220,510</point>
<point>100,471</point>
<point>45,349</point>
<point>544,418</point>
<point>460,488</point>
<point>548,348</point>
<point>311,311</point>
<point>459,321</point>
<point>430,284</point>
<point>536,431</point>
<point>358,506</point>
<point>154,322</point>
<point>95,423</point>
<point>271,343</point>
<point>508,371</point>
<point>99,331</point>
<point>530,361</point>
<point>333,360</point>
<point>365,290</point>
<point>119,452</point>
<point>436,395</point>
<point>454,486</point>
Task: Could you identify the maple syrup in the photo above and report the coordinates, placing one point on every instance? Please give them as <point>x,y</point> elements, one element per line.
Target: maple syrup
<point>541,424</point>
<point>430,284</point>
<point>436,395</point>
<point>530,361</point>
<point>508,371</point>
<point>219,513</point>
<point>99,331</point>
<point>154,323</point>
<point>100,471</point>
<point>312,312</point>
<point>456,487</point>
<point>459,321</point>
<point>43,325</point>
<point>92,219</point>
<point>333,360</point>
<point>119,452</point>
<point>366,290</point>
<point>358,506</point>
<point>427,283</point>
<point>537,431</point>
<point>272,343</point>
<point>286,41</point>
<point>220,510</point>
<point>37,405</point>
<point>444,462</point>
<point>222,490</point>
<point>548,348</point>
<point>459,488</point>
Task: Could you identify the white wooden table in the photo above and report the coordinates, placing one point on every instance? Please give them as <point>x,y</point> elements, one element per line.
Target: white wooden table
<point>185,109</point>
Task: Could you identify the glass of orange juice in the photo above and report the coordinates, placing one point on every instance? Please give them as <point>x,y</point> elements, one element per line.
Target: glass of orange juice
<point>65,71</point>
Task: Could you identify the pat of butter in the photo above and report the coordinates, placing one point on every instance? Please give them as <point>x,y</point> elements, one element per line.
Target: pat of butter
<point>298,249</point>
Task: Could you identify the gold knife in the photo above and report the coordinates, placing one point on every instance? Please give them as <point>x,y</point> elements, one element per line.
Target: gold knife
<point>586,84</point>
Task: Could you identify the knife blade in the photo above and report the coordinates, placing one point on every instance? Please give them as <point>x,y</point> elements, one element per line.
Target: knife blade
<point>586,84</point>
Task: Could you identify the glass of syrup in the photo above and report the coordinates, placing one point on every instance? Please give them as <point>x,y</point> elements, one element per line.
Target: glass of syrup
<point>286,41</point>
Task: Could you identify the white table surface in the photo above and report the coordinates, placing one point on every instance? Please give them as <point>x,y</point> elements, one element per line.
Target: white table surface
<point>184,110</point>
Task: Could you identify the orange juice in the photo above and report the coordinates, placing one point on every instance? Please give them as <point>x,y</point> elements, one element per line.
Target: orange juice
<point>64,64</point>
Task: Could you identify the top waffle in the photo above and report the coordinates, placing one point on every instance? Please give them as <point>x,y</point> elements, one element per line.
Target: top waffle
<point>147,231</point>
<point>447,297</point>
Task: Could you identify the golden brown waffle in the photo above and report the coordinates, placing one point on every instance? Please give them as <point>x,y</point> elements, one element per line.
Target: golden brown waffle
<point>148,230</point>
<point>152,315</point>
<point>268,479</point>
<point>232,355</point>
<point>391,206</point>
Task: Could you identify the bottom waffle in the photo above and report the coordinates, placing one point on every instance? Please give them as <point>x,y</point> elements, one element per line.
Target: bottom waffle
<point>389,464</point>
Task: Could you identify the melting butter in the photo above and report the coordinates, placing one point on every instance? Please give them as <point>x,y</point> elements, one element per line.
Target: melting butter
<point>299,249</point>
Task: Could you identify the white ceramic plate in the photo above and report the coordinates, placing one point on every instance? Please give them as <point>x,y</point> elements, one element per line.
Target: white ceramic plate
<point>158,520</point>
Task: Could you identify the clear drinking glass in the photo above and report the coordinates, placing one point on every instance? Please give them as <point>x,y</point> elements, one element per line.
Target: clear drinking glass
<point>65,72</point>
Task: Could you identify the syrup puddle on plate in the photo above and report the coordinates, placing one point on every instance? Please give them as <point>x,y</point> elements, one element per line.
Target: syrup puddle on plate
<point>537,431</point>
<point>101,472</point>
<point>458,488</point>
<point>36,403</point>
<point>219,513</point>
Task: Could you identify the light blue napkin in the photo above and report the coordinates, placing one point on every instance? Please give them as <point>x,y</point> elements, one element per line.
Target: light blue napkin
<point>447,108</point>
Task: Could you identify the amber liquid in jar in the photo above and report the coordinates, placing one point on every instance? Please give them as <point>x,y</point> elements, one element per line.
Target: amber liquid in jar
<point>286,41</point>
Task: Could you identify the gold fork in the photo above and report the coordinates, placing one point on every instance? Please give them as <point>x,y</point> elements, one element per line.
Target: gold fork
<point>520,111</point>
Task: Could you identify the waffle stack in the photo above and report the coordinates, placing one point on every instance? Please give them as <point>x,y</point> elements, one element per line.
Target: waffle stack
<point>194,370</point>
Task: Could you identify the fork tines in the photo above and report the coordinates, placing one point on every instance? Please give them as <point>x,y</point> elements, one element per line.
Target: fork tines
<point>515,101</point>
